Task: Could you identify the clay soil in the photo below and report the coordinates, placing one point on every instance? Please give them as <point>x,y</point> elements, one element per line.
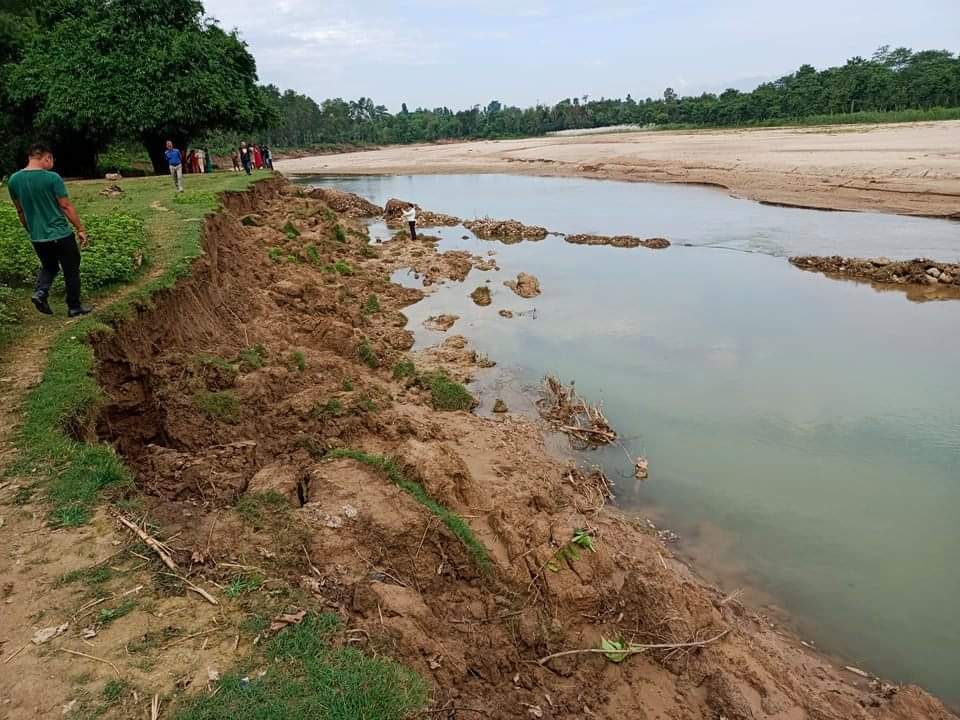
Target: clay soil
<point>913,169</point>
<point>353,543</point>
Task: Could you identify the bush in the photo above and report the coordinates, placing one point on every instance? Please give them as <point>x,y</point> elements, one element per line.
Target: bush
<point>447,394</point>
<point>340,234</point>
<point>253,358</point>
<point>115,253</point>
<point>368,355</point>
<point>343,267</point>
<point>372,305</point>
<point>221,405</point>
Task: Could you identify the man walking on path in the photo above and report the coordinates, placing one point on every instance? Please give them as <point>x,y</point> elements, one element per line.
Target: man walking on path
<point>175,161</point>
<point>40,197</point>
<point>410,217</point>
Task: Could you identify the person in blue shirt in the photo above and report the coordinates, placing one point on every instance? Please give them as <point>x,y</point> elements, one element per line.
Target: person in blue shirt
<point>175,163</point>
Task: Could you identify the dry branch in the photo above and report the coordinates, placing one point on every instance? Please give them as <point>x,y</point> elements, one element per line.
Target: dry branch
<point>571,414</point>
<point>153,543</point>
<point>635,648</point>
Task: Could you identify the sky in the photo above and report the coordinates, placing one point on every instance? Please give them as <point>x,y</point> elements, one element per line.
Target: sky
<point>460,53</point>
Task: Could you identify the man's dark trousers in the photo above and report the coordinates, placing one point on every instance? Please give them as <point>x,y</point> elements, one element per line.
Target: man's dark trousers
<point>54,256</point>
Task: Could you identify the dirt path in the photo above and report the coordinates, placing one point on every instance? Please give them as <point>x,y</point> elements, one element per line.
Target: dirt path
<point>912,169</point>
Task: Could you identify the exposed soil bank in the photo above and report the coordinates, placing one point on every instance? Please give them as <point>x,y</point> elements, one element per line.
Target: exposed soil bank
<point>380,559</point>
<point>908,275</point>
<point>911,169</point>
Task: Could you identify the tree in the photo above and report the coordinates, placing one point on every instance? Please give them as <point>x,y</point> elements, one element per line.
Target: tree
<point>669,95</point>
<point>145,69</point>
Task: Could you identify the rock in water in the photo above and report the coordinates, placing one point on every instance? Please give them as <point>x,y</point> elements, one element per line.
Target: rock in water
<point>526,286</point>
<point>641,467</point>
<point>500,406</point>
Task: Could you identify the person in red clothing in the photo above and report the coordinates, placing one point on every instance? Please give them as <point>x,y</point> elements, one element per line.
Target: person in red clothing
<point>257,157</point>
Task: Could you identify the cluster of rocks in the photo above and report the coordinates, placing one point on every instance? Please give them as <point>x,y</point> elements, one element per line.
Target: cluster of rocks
<point>347,203</point>
<point>526,285</point>
<point>620,241</point>
<point>505,230</point>
<point>919,271</point>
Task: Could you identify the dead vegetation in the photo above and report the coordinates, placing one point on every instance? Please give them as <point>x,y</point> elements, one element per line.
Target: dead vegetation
<point>569,413</point>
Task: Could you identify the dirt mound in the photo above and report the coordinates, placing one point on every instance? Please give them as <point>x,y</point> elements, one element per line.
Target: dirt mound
<point>473,557</point>
<point>919,271</point>
<point>394,208</point>
<point>620,241</point>
<point>526,286</point>
<point>505,230</point>
<point>348,203</point>
<point>481,296</point>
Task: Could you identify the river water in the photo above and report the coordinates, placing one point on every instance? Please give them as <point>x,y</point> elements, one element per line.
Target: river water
<point>803,433</point>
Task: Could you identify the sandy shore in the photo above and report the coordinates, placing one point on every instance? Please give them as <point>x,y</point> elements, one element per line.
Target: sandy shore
<point>911,169</point>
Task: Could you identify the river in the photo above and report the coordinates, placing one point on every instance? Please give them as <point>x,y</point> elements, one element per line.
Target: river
<point>803,433</point>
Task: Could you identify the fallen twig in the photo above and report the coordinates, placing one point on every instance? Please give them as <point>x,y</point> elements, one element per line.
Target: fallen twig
<point>195,588</point>
<point>11,657</point>
<point>634,649</point>
<point>92,657</point>
<point>151,542</point>
<point>310,562</point>
<point>155,708</point>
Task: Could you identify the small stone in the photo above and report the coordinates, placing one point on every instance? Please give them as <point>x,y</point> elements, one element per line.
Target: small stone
<point>500,406</point>
<point>350,511</point>
<point>934,272</point>
<point>881,261</point>
<point>946,278</point>
<point>333,521</point>
<point>930,280</point>
<point>506,314</point>
<point>213,674</point>
<point>47,634</point>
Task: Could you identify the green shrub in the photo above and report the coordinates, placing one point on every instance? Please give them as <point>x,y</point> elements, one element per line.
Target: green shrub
<point>339,233</point>
<point>221,405</point>
<point>368,355</point>
<point>331,408</point>
<point>275,254</point>
<point>115,254</point>
<point>347,384</point>
<point>343,267</point>
<point>445,393</point>
<point>290,230</point>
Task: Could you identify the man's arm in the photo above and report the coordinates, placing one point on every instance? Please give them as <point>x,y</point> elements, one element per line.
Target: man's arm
<point>74,217</point>
<point>23,218</point>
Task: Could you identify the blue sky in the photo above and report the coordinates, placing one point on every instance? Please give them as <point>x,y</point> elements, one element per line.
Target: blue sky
<point>460,53</point>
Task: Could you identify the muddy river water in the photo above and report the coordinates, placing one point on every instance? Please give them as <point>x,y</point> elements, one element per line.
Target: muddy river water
<point>803,433</point>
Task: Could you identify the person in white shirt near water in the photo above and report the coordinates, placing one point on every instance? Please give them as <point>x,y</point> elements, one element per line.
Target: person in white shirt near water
<point>410,217</point>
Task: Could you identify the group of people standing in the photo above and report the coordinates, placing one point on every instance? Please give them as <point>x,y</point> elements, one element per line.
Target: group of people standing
<point>252,157</point>
<point>198,161</point>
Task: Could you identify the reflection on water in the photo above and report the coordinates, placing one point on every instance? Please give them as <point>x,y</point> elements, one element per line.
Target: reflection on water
<point>803,434</point>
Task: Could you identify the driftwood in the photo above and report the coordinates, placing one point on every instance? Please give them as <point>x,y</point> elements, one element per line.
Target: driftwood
<point>154,544</point>
<point>571,414</point>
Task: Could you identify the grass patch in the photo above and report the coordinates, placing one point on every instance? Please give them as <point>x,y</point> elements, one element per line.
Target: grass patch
<point>331,408</point>
<point>339,234</point>
<point>253,358</point>
<point>92,576</point>
<point>368,252</point>
<point>276,255</point>
<point>457,525</point>
<point>368,355</point>
<point>446,393</point>
<point>253,507</point>
<point>404,369</point>
<point>219,405</point>
<point>342,267</point>
<point>241,585</point>
<point>290,230</point>
<point>313,255</point>
<point>298,361</point>
<point>113,691</point>
<point>309,678</point>
<point>372,305</point>
<point>153,640</point>
<point>109,615</point>
<point>347,385</point>
<point>53,413</point>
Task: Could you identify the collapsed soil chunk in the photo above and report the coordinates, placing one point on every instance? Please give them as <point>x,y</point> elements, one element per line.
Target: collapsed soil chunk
<point>481,296</point>
<point>393,214</point>
<point>620,241</point>
<point>919,271</point>
<point>217,475</point>
<point>505,230</point>
<point>441,323</point>
<point>347,203</point>
<point>526,286</point>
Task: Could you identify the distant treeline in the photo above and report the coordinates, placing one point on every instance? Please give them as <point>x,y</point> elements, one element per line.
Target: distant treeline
<point>906,84</point>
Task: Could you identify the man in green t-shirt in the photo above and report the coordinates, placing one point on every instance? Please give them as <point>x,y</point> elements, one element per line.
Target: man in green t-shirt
<point>44,209</point>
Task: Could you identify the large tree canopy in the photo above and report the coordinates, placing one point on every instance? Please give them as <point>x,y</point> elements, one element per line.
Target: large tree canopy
<point>103,70</point>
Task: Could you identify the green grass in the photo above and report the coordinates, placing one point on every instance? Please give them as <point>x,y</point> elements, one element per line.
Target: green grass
<point>445,393</point>
<point>367,354</point>
<point>331,408</point>
<point>457,525</point>
<point>372,305</point>
<point>276,255</point>
<point>220,405</point>
<point>404,369</point>
<point>54,412</point>
<point>339,233</point>
<point>290,230</point>
<point>113,691</point>
<point>308,677</point>
<point>241,585</point>
<point>298,361</point>
<point>347,385</point>
<point>313,254</point>
<point>109,615</point>
<point>91,576</point>
<point>253,358</point>
<point>253,507</point>
<point>342,267</point>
